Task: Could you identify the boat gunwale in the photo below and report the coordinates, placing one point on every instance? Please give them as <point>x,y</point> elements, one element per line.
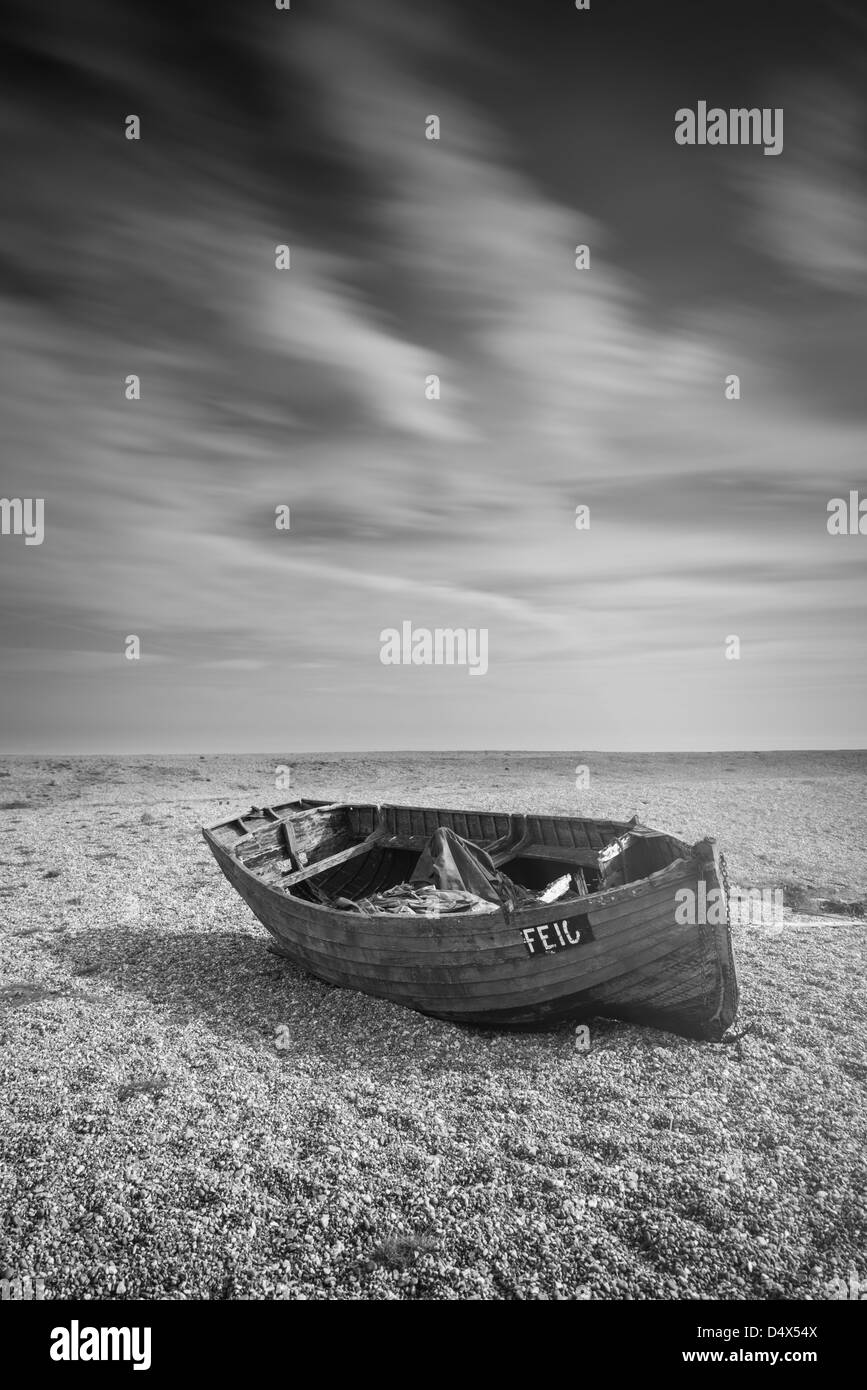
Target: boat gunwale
<point>602,898</point>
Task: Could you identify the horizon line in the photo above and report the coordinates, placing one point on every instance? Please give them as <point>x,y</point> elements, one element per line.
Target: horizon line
<point>351,752</point>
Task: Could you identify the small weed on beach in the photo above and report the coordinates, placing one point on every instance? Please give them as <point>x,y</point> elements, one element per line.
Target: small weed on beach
<point>396,1251</point>
<point>152,1085</point>
<point>795,895</point>
<point>15,996</point>
<point>844,909</point>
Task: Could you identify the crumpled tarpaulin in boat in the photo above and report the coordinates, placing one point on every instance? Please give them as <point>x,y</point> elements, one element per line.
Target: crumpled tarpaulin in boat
<point>450,862</point>
<point>452,875</point>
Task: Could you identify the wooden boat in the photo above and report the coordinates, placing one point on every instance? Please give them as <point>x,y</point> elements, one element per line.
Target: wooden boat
<point>612,947</point>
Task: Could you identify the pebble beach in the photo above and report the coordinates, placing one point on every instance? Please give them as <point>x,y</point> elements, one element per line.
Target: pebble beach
<point>186,1116</point>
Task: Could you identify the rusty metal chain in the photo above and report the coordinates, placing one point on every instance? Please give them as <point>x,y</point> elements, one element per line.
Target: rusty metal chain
<point>724,875</point>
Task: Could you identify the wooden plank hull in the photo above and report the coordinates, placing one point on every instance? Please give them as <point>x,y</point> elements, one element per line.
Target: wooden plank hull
<point>619,953</point>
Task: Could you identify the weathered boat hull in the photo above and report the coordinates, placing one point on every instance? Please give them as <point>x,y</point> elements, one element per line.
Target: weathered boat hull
<point>620,952</point>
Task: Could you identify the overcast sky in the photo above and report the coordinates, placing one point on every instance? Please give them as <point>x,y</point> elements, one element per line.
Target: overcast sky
<point>410,257</point>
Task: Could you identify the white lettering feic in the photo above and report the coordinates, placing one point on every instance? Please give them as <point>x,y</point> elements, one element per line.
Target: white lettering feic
<point>567,932</point>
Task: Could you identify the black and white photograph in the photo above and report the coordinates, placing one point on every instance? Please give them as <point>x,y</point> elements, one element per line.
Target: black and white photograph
<point>433,663</point>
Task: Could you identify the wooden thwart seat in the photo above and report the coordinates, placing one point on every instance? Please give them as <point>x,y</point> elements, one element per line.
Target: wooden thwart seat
<point>323,865</point>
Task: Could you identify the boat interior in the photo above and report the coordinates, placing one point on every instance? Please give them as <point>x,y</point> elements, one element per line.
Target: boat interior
<point>321,851</point>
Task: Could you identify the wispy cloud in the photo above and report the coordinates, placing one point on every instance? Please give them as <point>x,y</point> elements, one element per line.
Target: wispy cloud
<point>810,208</point>
<point>306,388</point>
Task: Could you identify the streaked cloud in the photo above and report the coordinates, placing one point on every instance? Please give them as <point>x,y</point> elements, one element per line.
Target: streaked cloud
<point>306,388</point>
